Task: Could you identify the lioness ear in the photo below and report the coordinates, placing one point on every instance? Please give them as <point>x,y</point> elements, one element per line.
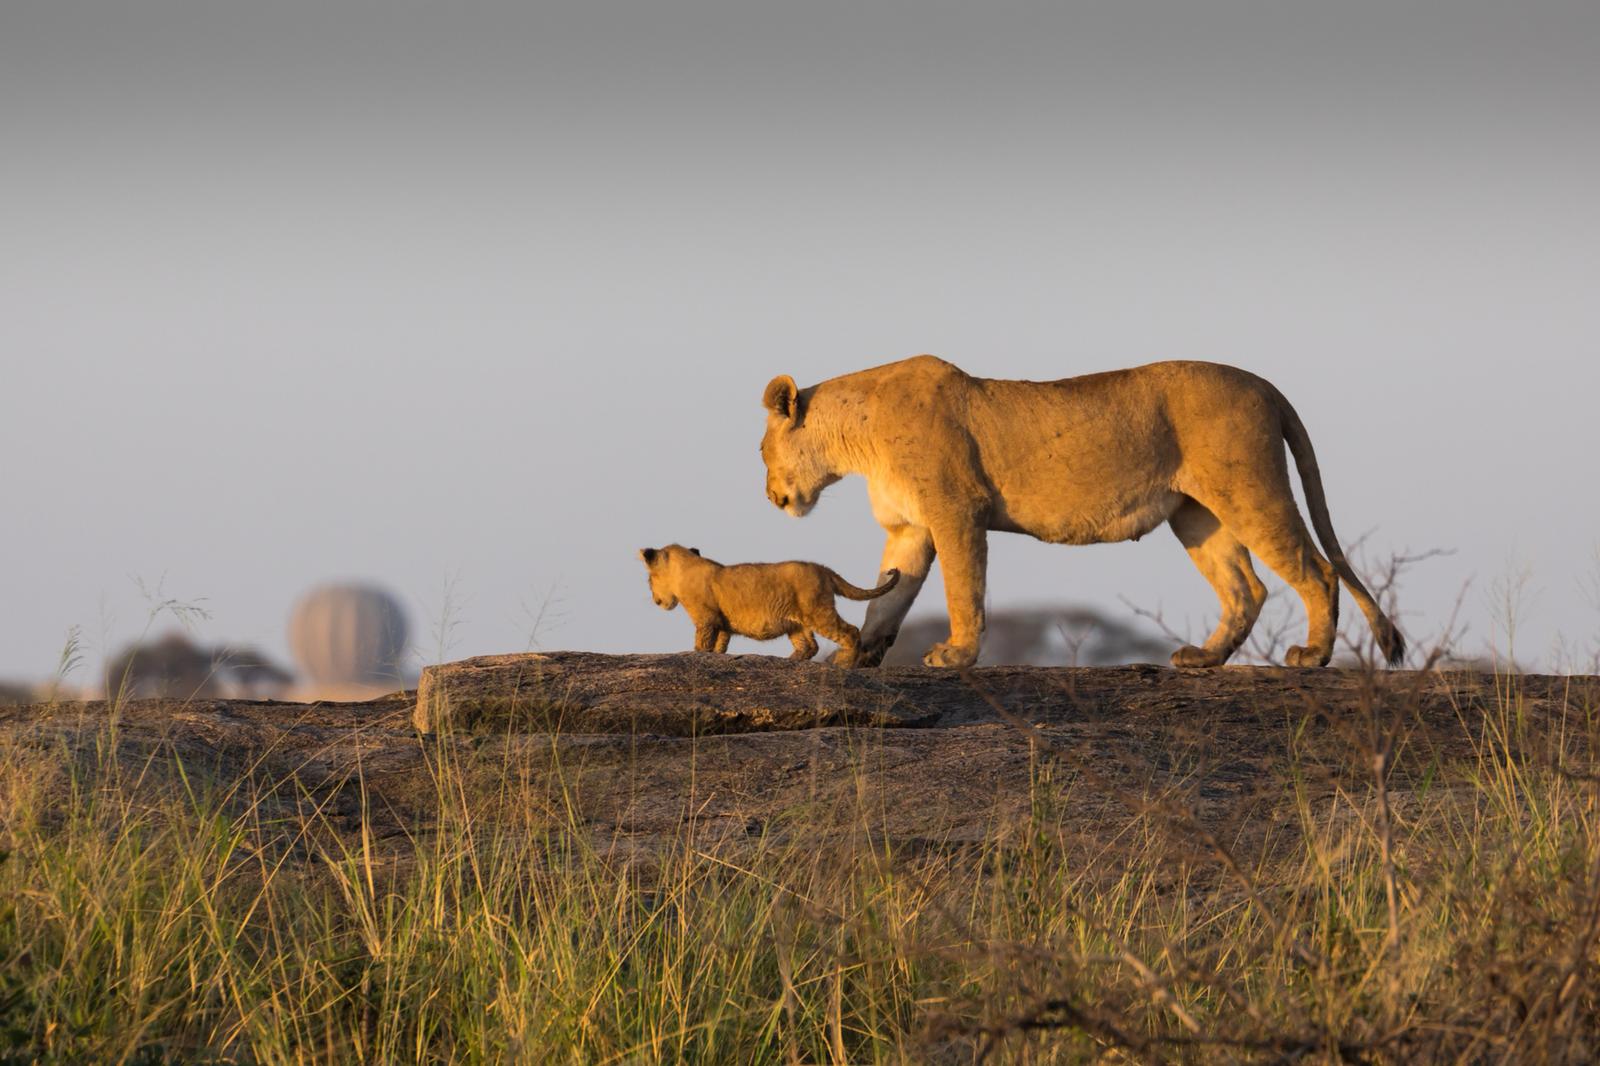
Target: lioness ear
<point>694,551</point>
<point>648,555</point>
<point>782,398</point>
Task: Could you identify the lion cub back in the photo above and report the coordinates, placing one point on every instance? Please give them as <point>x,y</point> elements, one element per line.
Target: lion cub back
<point>765,600</point>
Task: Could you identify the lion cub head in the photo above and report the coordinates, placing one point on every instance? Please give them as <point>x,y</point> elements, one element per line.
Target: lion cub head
<point>666,566</point>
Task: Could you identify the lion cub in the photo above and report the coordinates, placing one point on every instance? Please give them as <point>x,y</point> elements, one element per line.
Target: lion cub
<point>760,600</point>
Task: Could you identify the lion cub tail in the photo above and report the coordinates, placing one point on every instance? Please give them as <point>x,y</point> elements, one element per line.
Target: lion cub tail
<point>1390,642</point>
<point>850,592</point>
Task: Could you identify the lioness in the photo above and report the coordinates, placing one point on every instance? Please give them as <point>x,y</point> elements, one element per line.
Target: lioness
<point>759,600</point>
<point>1085,460</point>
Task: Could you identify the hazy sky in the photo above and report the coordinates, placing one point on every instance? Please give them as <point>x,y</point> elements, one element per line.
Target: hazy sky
<point>429,292</point>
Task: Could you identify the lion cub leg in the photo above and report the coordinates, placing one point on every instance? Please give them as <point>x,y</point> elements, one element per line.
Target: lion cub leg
<point>848,637</point>
<point>805,645</point>
<point>709,636</point>
<point>721,646</point>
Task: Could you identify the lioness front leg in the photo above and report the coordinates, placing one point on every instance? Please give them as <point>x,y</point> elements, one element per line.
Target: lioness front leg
<point>909,550</point>
<point>966,558</point>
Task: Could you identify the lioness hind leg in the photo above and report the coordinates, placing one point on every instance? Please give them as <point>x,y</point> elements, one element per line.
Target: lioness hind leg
<point>1272,528</point>
<point>1225,563</point>
<point>805,645</point>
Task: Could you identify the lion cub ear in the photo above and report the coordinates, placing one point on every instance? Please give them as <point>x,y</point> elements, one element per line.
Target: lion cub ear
<point>694,551</point>
<point>648,555</point>
<point>782,398</point>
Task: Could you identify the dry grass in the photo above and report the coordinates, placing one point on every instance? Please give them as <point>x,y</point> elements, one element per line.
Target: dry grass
<point>1382,906</point>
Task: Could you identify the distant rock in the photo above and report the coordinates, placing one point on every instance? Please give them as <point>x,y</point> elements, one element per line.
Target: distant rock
<point>1039,636</point>
<point>174,667</point>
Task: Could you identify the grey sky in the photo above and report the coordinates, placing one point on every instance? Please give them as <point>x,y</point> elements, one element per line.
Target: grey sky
<point>292,291</point>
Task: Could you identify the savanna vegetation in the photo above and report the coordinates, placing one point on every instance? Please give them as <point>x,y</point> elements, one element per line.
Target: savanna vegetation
<point>1382,903</point>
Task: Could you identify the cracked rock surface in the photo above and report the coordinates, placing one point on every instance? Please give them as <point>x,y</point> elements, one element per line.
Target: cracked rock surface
<point>637,746</point>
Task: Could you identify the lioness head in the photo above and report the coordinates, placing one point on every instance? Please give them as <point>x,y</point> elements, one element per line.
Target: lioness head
<point>663,564</point>
<point>797,469</point>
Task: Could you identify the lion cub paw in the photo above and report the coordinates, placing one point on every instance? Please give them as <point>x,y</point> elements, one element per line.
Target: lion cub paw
<point>1303,656</point>
<point>950,655</point>
<point>1190,656</point>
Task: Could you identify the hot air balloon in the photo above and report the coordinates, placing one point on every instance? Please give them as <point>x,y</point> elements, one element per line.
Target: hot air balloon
<point>348,636</point>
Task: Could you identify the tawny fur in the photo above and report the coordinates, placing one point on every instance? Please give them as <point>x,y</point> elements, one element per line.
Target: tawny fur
<point>1105,457</point>
<point>758,600</point>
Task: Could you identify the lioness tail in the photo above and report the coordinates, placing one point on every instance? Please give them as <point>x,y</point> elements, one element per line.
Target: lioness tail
<point>1390,642</point>
<point>851,592</point>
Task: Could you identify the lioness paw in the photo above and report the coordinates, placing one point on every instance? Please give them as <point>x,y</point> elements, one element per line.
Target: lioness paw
<point>1190,656</point>
<point>868,654</point>
<point>1303,656</point>
<point>950,655</point>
